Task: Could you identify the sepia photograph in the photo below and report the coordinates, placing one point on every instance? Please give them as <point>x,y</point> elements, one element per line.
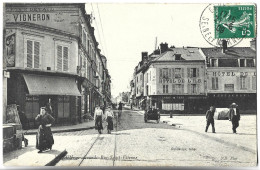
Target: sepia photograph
<point>121,84</point>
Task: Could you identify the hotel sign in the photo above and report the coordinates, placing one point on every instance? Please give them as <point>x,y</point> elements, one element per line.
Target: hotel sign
<point>231,73</point>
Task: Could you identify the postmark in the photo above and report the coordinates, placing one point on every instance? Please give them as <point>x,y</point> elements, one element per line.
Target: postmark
<point>236,21</point>
<point>207,28</point>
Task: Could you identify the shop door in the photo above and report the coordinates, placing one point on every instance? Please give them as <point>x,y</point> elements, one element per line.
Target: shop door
<point>63,109</point>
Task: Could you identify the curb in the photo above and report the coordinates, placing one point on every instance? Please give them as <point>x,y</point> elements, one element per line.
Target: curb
<point>57,158</point>
<point>61,131</point>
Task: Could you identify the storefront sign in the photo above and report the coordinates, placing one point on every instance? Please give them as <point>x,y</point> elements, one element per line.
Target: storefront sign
<point>220,73</point>
<point>31,17</point>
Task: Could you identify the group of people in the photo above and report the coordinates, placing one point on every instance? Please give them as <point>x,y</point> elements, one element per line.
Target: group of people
<point>233,115</point>
<point>99,116</point>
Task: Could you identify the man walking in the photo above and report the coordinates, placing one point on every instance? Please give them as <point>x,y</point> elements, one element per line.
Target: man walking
<point>210,119</point>
<point>234,116</point>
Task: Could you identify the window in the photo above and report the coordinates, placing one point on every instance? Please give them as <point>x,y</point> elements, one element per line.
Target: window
<point>229,87</point>
<point>33,54</point>
<point>214,83</point>
<point>254,82</point>
<point>193,88</point>
<point>214,62</point>
<point>193,72</point>
<point>165,88</point>
<point>250,63</point>
<point>84,39</point>
<point>62,58</point>
<point>137,79</point>
<point>63,106</point>
<point>177,56</point>
<point>242,82</point>
<point>242,62</point>
<point>178,88</point>
<point>177,73</point>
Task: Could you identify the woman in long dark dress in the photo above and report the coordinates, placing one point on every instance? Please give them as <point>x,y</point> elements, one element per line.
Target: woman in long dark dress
<point>109,117</point>
<point>44,138</point>
<point>98,119</point>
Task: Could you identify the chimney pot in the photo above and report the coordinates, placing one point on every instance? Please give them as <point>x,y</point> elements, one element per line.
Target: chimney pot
<point>224,46</point>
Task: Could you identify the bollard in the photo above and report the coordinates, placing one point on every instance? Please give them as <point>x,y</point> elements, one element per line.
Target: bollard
<point>170,114</point>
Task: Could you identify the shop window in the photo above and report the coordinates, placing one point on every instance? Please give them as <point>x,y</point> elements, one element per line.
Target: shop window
<point>63,107</point>
<point>62,58</point>
<point>214,83</point>
<point>32,108</point>
<point>33,54</point>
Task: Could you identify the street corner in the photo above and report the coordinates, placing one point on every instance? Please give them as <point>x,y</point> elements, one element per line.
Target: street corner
<point>30,157</point>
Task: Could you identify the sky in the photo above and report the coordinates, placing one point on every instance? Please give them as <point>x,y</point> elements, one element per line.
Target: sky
<point>125,30</point>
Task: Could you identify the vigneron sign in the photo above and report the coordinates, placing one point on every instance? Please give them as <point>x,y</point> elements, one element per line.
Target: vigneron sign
<point>31,17</point>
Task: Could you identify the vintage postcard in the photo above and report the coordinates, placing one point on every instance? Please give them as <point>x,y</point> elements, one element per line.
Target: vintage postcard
<point>129,84</point>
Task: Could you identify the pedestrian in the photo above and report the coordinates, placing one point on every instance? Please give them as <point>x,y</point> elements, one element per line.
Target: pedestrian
<point>234,116</point>
<point>210,119</point>
<point>98,119</point>
<point>44,138</point>
<point>120,107</point>
<point>109,115</point>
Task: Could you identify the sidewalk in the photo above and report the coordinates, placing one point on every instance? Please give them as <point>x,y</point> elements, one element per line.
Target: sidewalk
<point>245,138</point>
<point>69,128</point>
<point>29,156</point>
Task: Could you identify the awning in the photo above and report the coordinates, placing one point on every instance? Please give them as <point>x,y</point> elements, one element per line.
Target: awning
<point>51,85</point>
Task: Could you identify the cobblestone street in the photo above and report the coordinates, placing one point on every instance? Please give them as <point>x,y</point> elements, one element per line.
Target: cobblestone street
<point>135,143</point>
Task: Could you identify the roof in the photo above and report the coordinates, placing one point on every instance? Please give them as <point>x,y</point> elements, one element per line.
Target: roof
<point>232,52</point>
<point>190,54</point>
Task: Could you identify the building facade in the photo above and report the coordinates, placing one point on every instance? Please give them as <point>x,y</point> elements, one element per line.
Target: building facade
<point>52,56</point>
<point>231,77</point>
<point>175,80</point>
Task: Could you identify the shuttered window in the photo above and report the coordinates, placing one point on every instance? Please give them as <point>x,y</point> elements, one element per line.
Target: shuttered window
<point>254,82</point>
<point>33,54</point>
<point>62,58</point>
<point>214,83</point>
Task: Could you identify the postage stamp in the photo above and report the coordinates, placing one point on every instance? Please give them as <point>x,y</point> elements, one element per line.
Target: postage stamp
<point>236,21</point>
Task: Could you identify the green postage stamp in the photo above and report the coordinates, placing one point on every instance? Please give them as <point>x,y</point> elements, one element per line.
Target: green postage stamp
<point>236,21</point>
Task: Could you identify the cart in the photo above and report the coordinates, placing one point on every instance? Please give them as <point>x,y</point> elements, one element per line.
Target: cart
<point>152,115</point>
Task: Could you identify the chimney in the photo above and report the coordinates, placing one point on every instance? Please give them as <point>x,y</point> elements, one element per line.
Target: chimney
<point>164,47</point>
<point>224,46</point>
<point>252,44</point>
<point>144,56</point>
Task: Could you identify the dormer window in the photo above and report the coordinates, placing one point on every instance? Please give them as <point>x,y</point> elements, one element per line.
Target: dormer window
<point>177,56</point>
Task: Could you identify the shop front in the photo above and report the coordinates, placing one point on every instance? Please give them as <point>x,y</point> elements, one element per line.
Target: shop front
<point>32,91</point>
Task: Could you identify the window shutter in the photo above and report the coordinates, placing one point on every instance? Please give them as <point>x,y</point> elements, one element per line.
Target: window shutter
<point>198,88</point>
<point>170,73</point>
<point>248,83</point>
<point>213,83</point>
<point>238,83</point>
<point>174,89</point>
<point>160,75</point>
<point>65,59</point>
<point>216,85</point>
<point>29,53</point>
<point>182,73</point>
<point>189,89</point>
<point>182,88</point>
<point>59,57</point>
<point>198,72</point>
<point>173,74</point>
<point>254,82</point>
<point>188,71</point>
<point>36,54</point>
